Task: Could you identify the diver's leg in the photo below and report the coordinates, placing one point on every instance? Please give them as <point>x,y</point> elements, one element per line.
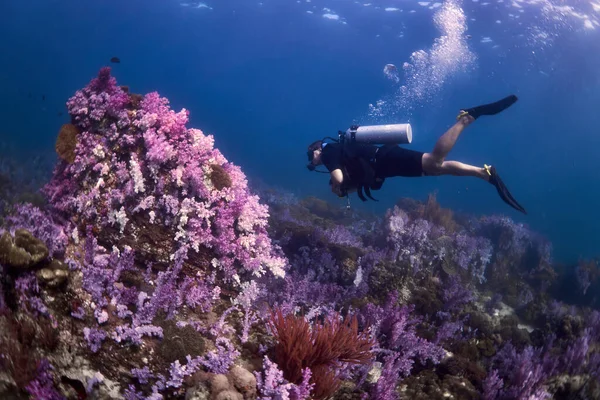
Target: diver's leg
<point>434,160</point>
<point>488,173</point>
<point>455,168</point>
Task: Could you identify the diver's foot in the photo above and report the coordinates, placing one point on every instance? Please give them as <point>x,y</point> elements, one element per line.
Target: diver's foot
<point>505,195</point>
<point>488,109</point>
<point>465,119</point>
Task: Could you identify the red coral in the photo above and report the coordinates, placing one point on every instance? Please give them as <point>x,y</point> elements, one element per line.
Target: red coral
<point>322,347</point>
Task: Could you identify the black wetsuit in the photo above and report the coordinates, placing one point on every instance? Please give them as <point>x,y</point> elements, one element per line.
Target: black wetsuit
<point>387,161</point>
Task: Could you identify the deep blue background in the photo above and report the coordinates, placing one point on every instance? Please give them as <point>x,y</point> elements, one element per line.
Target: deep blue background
<point>268,79</point>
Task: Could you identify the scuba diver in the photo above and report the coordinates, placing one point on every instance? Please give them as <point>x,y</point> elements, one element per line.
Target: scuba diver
<point>356,163</point>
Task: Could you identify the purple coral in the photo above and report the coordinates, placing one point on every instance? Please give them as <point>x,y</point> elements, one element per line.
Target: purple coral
<point>395,329</point>
<point>28,289</point>
<point>272,385</point>
<point>220,360</point>
<point>94,337</point>
<point>42,387</point>
<point>142,162</point>
<point>413,241</point>
<point>40,225</point>
<point>515,237</point>
<point>138,165</point>
<point>139,172</point>
<point>473,253</point>
<point>143,375</point>
<point>525,373</point>
<point>393,367</point>
<point>492,384</point>
<point>339,234</point>
<point>455,294</point>
<point>101,98</point>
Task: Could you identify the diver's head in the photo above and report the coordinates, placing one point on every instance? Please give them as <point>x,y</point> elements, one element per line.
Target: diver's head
<point>314,154</point>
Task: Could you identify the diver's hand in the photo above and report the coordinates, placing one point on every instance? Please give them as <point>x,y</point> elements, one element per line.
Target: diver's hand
<point>341,191</point>
<point>336,188</point>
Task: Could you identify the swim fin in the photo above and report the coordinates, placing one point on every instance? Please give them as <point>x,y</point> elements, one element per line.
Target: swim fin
<point>502,189</point>
<point>489,109</point>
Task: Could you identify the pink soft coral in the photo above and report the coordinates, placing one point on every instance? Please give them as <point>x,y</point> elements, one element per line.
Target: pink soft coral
<point>137,164</point>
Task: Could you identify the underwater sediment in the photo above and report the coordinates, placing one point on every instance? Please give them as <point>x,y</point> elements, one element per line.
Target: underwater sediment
<point>150,269</point>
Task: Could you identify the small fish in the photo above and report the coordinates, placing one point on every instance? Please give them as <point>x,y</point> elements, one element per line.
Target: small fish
<point>468,36</point>
<point>115,60</point>
<point>43,97</point>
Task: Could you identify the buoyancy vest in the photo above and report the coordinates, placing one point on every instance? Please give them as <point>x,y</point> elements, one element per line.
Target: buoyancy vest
<point>359,168</point>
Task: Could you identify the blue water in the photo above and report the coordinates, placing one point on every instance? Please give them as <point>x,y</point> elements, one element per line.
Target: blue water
<point>268,78</point>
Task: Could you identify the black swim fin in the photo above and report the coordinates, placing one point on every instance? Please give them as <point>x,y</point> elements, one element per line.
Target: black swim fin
<point>502,189</point>
<point>489,109</point>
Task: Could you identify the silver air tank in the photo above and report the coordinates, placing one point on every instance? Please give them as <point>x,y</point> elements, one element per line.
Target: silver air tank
<point>381,134</point>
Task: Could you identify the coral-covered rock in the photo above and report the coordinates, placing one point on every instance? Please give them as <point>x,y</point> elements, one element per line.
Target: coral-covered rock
<point>157,228</point>
<point>138,166</point>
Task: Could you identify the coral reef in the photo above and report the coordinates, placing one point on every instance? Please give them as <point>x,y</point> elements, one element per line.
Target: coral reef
<point>153,270</point>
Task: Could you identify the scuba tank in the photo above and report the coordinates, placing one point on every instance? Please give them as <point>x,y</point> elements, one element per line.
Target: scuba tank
<point>378,134</point>
<point>390,134</point>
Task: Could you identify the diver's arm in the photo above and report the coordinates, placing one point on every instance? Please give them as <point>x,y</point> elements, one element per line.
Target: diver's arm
<point>337,177</point>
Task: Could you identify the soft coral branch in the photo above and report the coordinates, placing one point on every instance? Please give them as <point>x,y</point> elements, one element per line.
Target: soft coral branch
<point>320,347</point>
